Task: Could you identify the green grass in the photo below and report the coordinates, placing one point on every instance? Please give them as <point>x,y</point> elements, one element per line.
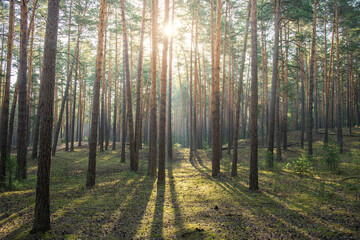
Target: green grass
<point>191,205</point>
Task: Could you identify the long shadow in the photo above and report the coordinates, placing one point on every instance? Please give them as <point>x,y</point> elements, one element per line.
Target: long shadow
<point>158,222</point>
<point>89,213</point>
<point>179,222</point>
<point>129,222</point>
<point>271,211</point>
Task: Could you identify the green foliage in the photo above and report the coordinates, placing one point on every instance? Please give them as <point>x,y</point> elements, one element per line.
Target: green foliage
<point>177,146</point>
<point>301,166</point>
<point>331,156</point>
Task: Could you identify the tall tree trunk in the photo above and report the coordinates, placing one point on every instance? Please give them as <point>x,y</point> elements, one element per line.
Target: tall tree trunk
<point>223,90</point>
<point>134,164</point>
<point>302,76</point>
<point>215,98</point>
<point>311,84</point>
<point>277,124</point>
<point>182,106</point>
<point>168,118</point>
<point>103,91</point>
<point>212,67</point>
<point>46,102</point>
<point>91,172</point>
<point>285,93</point>
<point>23,113</point>
<point>73,109</point>
<point>162,113</point>
<point>152,125</point>
<point>139,83</point>
<point>253,184</point>
<point>273,82</point>
<point>80,108</point>
<point>240,90</point>
<point>339,86</point>
<point>123,117</point>
<point>68,72</point>
<point>116,91</point>
<point>190,87</point>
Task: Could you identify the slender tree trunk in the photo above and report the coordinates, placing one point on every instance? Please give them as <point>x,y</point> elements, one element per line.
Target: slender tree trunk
<point>273,82</point>
<point>23,113</point>
<point>91,173</point>
<point>240,90</point>
<point>123,117</point>
<point>277,124</point>
<point>139,83</point>
<point>108,98</point>
<point>253,184</point>
<point>223,90</point>
<point>68,73</point>
<point>285,93</point>
<point>168,119</point>
<point>212,67</point>
<point>73,109</point>
<point>191,112</point>
<point>182,106</point>
<point>103,91</point>
<point>134,163</point>
<point>152,166</point>
<point>80,107</point>
<point>215,101</point>
<point>162,113</point>
<point>116,91</point>
<point>46,102</point>
<point>339,86</point>
<point>302,76</point>
<point>311,84</point>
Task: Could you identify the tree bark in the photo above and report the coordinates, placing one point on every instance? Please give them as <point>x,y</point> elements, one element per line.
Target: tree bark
<point>152,166</point>
<point>139,84</point>
<point>253,185</point>
<point>134,163</point>
<point>168,118</point>
<point>240,90</point>
<point>23,113</point>
<point>339,95</point>
<point>73,109</point>
<point>311,84</point>
<point>116,91</point>
<point>273,82</point>
<point>46,102</point>
<point>162,113</point>
<point>91,172</point>
<point>215,101</point>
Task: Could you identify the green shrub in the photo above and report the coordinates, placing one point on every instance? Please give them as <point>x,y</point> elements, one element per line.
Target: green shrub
<point>331,156</point>
<point>177,146</point>
<point>301,166</point>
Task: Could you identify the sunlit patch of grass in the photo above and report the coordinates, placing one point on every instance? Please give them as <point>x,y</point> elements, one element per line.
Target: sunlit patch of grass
<point>192,204</point>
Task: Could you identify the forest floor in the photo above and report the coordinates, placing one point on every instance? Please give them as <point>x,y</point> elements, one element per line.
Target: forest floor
<point>313,203</point>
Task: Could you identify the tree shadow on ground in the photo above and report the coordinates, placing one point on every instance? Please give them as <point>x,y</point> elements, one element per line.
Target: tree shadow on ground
<point>270,212</point>
<point>158,221</point>
<point>112,209</point>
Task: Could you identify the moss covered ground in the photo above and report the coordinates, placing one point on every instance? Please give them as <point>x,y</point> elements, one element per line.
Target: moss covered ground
<point>317,204</point>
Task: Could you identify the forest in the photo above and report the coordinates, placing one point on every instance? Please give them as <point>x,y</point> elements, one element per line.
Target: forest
<point>180,119</point>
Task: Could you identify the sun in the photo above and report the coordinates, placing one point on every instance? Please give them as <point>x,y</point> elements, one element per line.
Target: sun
<point>169,30</point>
